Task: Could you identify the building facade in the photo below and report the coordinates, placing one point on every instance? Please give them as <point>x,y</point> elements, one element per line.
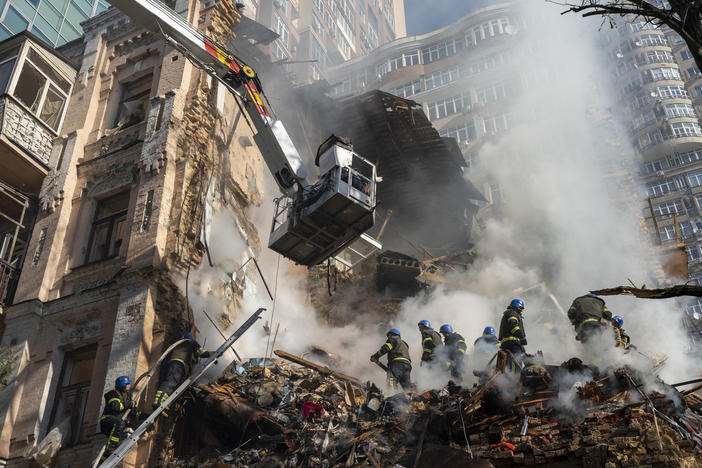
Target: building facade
<point>146,143</point>
<point>317,34</point>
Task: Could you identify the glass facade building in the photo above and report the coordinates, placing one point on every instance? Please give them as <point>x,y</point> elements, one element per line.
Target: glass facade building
<point>54,21</point>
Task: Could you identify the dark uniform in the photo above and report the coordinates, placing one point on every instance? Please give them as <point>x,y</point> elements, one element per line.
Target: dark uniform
<point>586,314</point>
<point>512,336</point>
<point>182,359</point>
<point>431,342</point>
<point>456,348</point>
<point>399,362</point>
<point>111,422</point>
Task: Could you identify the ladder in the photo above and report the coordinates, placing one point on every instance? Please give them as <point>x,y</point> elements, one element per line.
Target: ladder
<point>129,443</point>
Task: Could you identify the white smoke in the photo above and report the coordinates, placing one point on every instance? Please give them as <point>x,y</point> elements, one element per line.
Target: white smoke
<point>558,226</point>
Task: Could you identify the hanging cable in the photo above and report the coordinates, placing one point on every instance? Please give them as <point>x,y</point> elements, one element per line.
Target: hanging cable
<point>275,296</point>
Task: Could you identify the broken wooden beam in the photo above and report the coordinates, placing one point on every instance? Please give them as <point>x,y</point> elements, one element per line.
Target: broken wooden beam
<point>660,293</point>
<point>317,367</point>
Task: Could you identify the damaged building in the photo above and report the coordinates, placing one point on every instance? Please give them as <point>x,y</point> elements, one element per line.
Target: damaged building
<point>129,139</point>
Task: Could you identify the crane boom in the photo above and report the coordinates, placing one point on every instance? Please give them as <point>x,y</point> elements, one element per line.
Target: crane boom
<point>312,222</point>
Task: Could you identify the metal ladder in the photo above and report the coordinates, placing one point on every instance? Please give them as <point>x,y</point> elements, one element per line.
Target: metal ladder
<point>128,443</point>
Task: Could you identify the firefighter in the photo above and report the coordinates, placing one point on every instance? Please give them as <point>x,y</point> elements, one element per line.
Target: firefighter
<point>399,363</point>
<point>484,348</point>
<point>112,424</point>
<point>512,335</point>
<point>621,338</point>
<point>586,314</point>
<point>455,346</point>
<point>431,342</point>
<point>181,361</point>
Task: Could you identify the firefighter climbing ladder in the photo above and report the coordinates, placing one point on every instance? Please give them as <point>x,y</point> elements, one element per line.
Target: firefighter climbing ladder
<point>132,440</point>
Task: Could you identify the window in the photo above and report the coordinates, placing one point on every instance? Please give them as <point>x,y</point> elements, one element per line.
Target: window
<point>317,26</point>
<point>135,101</point>
<point>658,188</point>
<point>446,107</point>
<point>107,232</point>
<point>679,110</point>
<point>693,71</point>
<point>465,132</point>
<point>407,90</point>
<point>492,28</point>
<point>667,233</point>
<point>317,51</point>
<point>278,51</point>
<point>318,4</point>
<point>283,6</point>
<point>441,77</point>
<point>441,50</point>
<point>405,60</point>
<point>686,55</point>
<point>673,207</point>
<point>41,90</point>
<point>687,158</point>
<point>649,40</point>
<point>666,73</point>
<point>698,90</point>
<point>495,124</point>
<point>682,129</point>
<point>672,92</point>
<point>685,229</point>
<point>72,391</point>
<point>653,167</point>
<point>7,63</point>
<point>695,178</point>
<point>693,254</point>
<point>659,56</point>
<point>282,30</point>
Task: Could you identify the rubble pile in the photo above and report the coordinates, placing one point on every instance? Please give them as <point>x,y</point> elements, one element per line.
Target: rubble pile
<point>285,415</point>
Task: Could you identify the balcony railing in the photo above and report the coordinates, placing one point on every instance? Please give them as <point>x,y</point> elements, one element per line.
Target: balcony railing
<point>8,283</point>
<point>25,130</point>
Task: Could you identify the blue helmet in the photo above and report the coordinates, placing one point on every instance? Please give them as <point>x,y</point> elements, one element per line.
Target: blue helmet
<point>188,336</point>
<point>593,295</point>
<point>489,331</point>
<point>517,304</point>
<point>122,381</point>
<point>446,328</point>
<point>393,331</point>
<point>618,320</point>
<point>425,323</point>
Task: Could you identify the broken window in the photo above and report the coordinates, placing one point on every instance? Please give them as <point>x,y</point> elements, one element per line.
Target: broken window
<point>107,230</point>
<point>72,391</point>
<point>134,102</point>
<point>41,89</point>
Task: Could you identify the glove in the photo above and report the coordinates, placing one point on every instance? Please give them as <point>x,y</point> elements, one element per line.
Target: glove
<point>128,431</point>
<point>131,404</point>
<point>374,358</point>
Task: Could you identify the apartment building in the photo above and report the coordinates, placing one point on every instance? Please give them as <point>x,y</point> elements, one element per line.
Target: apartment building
<point>146,142</point>
<point>317,34</point>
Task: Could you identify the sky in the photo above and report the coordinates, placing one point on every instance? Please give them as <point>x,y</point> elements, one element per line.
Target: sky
<point>424,15</point>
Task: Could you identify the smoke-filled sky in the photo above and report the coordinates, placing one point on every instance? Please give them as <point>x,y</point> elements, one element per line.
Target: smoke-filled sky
<point>558,236</point>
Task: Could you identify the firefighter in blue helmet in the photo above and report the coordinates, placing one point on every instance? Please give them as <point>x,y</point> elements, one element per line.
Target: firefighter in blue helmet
<point>112,422</point>
<point>431,342</point>
<point>484,348</point>
<point>512,335</point>
<point>399,363</point>
<point>181,361</point>
<point>455,348</point>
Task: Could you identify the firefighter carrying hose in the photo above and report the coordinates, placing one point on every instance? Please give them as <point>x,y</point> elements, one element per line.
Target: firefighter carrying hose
<point>431,342</point>
<point>512,335</point>
<point>586,314</point>
<point>399,363</point>
<point>181,361</point>
<point>117,401</point>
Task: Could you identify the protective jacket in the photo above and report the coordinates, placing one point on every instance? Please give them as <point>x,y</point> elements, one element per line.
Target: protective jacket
<point>431,342</point>
<point>588,310</point>
<point>396,349</point>
<point>486,341</point>
<point>117,402</point>
<point>512,328</point>
<point>188,354</point>
<point>621,337</point>
<point>455,345</point>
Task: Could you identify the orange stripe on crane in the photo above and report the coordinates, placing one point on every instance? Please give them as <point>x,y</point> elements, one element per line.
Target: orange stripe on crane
<point>222,56</point>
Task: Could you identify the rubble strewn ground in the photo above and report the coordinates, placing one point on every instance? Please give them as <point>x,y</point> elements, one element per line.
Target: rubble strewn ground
<point>285,415</point>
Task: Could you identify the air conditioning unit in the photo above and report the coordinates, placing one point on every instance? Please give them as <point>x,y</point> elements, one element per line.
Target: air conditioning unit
<point>660,174</point>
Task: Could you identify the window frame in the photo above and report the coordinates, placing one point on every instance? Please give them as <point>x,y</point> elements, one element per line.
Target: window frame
<point>112,220</point>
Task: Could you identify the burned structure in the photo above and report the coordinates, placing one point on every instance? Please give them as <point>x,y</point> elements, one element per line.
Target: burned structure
<point>146,143</point>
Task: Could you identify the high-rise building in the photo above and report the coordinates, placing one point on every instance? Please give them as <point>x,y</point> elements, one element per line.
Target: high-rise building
<point>317,34</point>
<point>54,21</point>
